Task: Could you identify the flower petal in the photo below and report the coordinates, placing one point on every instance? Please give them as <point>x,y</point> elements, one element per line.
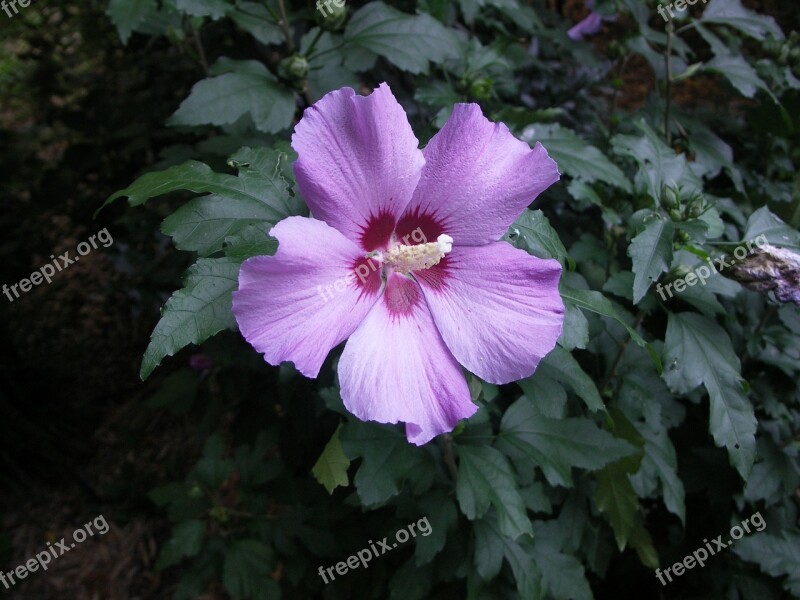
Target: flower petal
<point>477,179</point>
<point>497,308</point>
<point>308,297</point>
<point>588,26</point>
<point>358,164</point>
<point>395,367</point>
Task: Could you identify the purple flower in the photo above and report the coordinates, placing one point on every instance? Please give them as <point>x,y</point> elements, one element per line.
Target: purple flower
<point>402,257</point>
<point>588,26</point>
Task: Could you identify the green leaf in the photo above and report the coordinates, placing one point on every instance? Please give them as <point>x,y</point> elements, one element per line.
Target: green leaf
<point>561,366</point>
<point>215,9</point>
<point>696,351</point>
<point>660,457</point>
<point>651,252</point>
<point>203,224</point>
<point>776,555</point>
<point>127,14</point>
<point>248,89</point>
<point>563,575</point>
<point>614,494</point>
<point>253,240</point>
<point>256,185</point>
<point>245,573</point>
<point>442,515</point>
<point>491,547</point>
<point>255,19</point>
<point>388,461</point>
<point>186,540</point>
<point>777,233</point>
<point>533,233</point>
<point>195,313</point>
<point>733,14</point>
<point>557,445</point>
<point>739,72</point>
<point>597,303</point>
<point>331,467</point>
<point>659,166</point>
<point>485,478</point>
<point>408,42</point>
<point>576,157</point>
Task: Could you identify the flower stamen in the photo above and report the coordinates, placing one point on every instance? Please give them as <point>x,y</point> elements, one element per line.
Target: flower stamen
<point>406,259</point>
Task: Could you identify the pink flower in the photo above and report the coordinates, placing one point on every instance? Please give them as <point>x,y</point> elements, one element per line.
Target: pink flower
<point>402,259</point>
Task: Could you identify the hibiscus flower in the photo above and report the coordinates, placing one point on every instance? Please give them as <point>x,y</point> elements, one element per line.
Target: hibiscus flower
<point>402,259</point>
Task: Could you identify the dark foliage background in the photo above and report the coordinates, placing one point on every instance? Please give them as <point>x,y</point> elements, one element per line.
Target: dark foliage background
<point>575,483</point>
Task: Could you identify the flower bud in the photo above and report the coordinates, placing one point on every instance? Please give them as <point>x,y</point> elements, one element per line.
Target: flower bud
<point>333,15</point>
<point>294,67</point>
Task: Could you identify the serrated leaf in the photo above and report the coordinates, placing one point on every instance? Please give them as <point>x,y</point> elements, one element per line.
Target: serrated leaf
<point>659,165</point>
<point>442,515</point>
<point>698,351</point>
<point>410,42</point>
<point>651,253</point>
<point>616,498</point>
<point>186,541</point>
<point>201,309</point>
<point>733,14</point>
<point>331,466</point>
<point>388,461</point>
<point>215,9</point>
<point>253,187</point>
<point>557,445</point>
<point>127,14</point>
<point>491,547</point>
<point>777,233</point>
<point>245,573</point>
<point>563,575</point>
<point>255,19</point>
<point>250,89</point>
<point>533,233</point>
<point>775,555</point>
<point>661,459</point>
<point>485,478</point>
<point>561,366</point>
<point>597,303</point>
<point>576,157</point>
<point>253,240</point>
<point>739,72</point>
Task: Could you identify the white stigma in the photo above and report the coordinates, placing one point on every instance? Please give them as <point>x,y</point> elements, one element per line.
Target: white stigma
<point>406,259</point>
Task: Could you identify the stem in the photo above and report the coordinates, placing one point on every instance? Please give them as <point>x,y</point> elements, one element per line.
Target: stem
<point>284,23</point>
<point>313,45</point>
<point>636,322</point>
<point>198,44</point>
<point>668,90</point>
<point>449,459</point>
<point>762,324</point>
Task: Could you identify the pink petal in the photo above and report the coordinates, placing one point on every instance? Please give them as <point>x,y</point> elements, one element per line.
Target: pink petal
<point>288,306</point>
<point>358,164</point>
<point>588,26</point>
<point>476,180</point>
<point>497,308</point>
<point>395,367</point>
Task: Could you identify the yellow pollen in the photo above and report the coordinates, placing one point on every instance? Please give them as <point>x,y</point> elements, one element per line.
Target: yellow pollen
<point>405,259</point>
